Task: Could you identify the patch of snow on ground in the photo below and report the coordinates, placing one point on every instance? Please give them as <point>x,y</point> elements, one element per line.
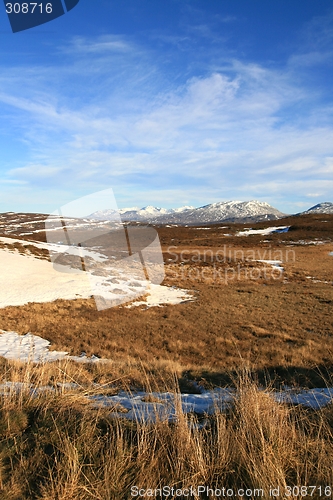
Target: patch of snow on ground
<point>25,278</point>
<point>141,405</point>
<point>163,295</point>
<point>137,406</point>
<point>305,242</point>
<point>53,247</point>
<point>312,398</point>
<point>274,263</point>
<point>148,407</point>
<point>268,230</point>
<point>315,280</point>
<point>33,348</point>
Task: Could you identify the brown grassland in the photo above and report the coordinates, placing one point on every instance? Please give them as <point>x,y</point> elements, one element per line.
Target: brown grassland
<point>249,324</point>
<point>244,314</point>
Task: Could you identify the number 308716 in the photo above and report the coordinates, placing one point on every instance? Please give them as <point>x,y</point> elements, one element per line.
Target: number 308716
<point>28,8</point>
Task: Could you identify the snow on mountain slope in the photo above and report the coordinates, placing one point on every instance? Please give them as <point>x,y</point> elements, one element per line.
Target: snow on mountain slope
<point>322,208</point>
<point>137,214</point>
<point>215,212</point>
<point>223,211</point>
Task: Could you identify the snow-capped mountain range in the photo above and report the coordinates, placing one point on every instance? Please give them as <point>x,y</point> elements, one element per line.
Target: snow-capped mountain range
<point>137,214</point>
<point>224,211</point>
<point>231,211</point>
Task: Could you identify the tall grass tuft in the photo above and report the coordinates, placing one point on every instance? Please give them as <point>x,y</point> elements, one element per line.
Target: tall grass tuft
<point>54,444</point>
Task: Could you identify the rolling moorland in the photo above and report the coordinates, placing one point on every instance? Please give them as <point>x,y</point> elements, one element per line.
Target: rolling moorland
<point>244,312</point>
<point>260,315</point>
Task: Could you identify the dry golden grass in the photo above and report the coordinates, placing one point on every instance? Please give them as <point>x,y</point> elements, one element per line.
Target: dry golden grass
<point>56,446</point>
<point>282,326</point>
<point>272,326</point>
<point>26,249</point>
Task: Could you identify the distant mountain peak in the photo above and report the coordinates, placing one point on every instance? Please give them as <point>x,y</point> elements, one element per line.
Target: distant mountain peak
<point>224,211</point>
<point>213,213</point>
<point>325,207</point>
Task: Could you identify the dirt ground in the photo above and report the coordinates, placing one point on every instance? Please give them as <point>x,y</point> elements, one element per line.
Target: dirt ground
<point>276,322</point>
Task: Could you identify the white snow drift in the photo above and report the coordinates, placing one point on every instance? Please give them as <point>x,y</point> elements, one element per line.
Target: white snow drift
<point>25,278</point>
<point>267,230</point>
<point>34,349</point>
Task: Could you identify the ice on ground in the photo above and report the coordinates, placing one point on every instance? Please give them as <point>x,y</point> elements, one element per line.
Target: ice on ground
<point>35,349</point>
<point>268,230</point>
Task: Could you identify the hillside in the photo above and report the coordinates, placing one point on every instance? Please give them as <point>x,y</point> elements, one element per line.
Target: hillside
<point>232,211</point>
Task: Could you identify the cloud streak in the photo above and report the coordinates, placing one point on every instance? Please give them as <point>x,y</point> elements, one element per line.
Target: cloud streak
<point>240,130</point>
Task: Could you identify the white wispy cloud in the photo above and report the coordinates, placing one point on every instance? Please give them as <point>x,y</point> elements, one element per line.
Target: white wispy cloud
<point>102,44</point>
<point>240,129</point>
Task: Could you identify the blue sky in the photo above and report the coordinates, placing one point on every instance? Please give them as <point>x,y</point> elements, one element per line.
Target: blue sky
<point>170,103</point>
